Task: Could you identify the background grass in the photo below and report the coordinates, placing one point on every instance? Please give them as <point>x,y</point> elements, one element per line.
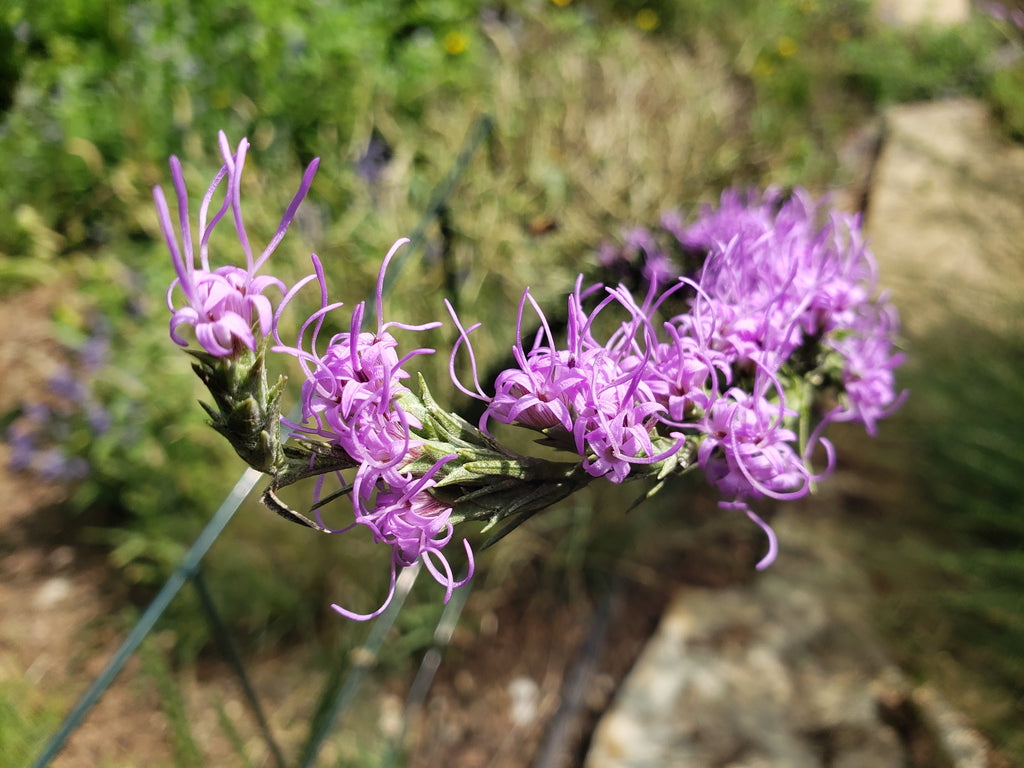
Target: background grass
<point>944,541</point>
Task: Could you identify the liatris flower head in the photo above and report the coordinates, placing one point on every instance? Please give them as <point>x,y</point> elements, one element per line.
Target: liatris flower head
<point>587,396</point>
<point>869,363</point>
<point>682,373</point>
<point>403,514</point>
<point>351,400</point>
<point>224,303</point>
<point>779,272</point>
<point>748,451</point>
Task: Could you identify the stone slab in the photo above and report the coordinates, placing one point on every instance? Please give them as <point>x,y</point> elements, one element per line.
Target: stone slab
<point>780,673</point>
<point>914,12</point>
<point>945,217</point>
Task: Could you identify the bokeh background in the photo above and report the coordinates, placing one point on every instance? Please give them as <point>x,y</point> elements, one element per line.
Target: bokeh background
<point>606,114</point>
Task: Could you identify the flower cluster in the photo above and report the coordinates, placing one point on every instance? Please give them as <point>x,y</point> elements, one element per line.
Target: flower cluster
<point>349,396</point>
<point>784,279</point>
<point>726,345</point>
<point>781,286</point>
<point>350,400</point>
<point>594,397</point>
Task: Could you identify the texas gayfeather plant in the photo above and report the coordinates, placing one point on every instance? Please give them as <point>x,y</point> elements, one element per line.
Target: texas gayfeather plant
<point>726,346</point>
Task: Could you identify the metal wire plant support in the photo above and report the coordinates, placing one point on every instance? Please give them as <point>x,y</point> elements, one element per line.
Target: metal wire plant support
<point>341,687</point>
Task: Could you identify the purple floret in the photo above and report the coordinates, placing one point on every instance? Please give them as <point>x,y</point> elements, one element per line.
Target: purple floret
<point>350,399</point>
<point>223,304</point>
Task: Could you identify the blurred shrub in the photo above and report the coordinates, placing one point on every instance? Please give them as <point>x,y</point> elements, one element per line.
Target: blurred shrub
<point>1006,90</point>
<point>1006,86</point>
<point>894,65</point>
<point>101,93</point>
<point>813,68</point>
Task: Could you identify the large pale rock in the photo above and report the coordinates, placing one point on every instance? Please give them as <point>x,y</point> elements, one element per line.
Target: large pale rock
<point>781,673</point>
<point>911,12</point>
<point>946,214</point>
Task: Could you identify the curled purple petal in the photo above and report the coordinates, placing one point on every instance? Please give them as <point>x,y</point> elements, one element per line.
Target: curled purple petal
<point>226,304</point>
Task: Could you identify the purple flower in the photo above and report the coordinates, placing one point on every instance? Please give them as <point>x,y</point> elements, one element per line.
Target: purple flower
<point>681,374</point>
<point>68,387</point>
<point>350,397</point>
<point>95,352</point>
<point>99,418</point>
<point>737,214</point>
<point>27,437</point>
<point>672,223</point>
<point>780,273</point>
<point>639,242</point>
<point>415,524</point>
<point>659,269</point>
<point>222,303</point>
<point>350,389</point>
<point>783,282</point>
<point>613,441</point>
<point>53,465</point>
<point>22,441</point>
<point>775,276</point>
<point>748,452</point>
<point>590,397</point>
<point>868,375</point>
<point>540,393</point>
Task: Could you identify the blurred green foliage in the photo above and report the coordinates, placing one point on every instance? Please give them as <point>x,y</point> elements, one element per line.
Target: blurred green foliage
<point>1006,84</point>
<point>1006,90</point>
<point>187,753</point>
<point>958,593</point>
<point>813,68</point>
<point>103,93</point>
<point>27,717</point>
<point>95,96</point>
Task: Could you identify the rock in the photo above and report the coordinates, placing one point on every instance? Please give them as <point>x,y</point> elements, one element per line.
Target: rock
<point>945,216</point>
<point>910,12</point>
<point>52,593</point>
<point>962,743</point>
<point>525,695</point>
<point>780,673</point>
